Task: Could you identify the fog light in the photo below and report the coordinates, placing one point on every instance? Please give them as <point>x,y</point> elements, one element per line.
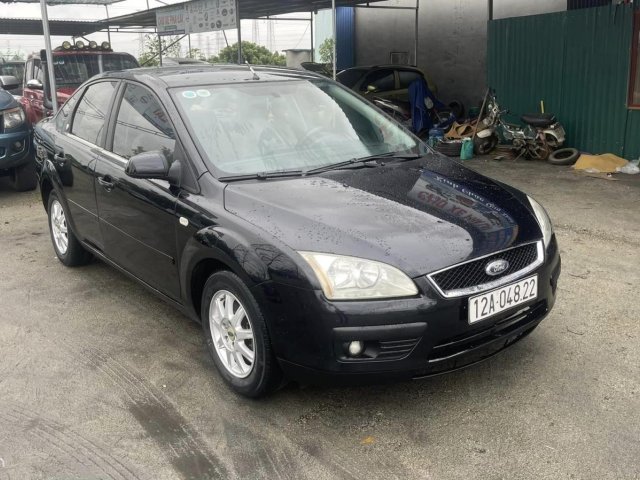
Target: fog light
<point>356,348</point>
<point>19,145</point>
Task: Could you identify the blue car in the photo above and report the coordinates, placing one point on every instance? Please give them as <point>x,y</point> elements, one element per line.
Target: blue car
<point>15,139</point>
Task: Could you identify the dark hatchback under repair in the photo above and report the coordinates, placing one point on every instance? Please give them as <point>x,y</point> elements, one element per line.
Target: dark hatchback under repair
<point>313,237</point>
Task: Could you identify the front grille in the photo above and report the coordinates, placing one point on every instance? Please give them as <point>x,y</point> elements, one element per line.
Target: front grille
<point>472,274</point>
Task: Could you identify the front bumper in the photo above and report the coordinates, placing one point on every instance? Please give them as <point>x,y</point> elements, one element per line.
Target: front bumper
<point>404,339</point>
<point>12,156</point>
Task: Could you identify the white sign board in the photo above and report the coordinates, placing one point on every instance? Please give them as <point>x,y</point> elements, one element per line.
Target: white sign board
<point>197,16</point>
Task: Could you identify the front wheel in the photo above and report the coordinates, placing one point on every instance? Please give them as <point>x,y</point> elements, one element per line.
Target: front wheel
<point>237,338</point>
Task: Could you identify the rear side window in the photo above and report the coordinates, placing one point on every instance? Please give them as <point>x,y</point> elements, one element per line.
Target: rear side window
<point>142,125</point>
<point>89,120</point>
<point>63,117</point>
<point>383,80</point>
<point>407,78</point>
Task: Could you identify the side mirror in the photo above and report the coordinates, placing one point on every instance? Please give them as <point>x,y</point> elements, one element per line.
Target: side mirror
<point>34,84</point>
<point>9,82</point>
<point>148,165</point>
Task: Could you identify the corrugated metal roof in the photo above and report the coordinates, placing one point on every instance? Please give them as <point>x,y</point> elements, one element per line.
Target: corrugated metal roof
<point>66,2</point>
<point>33,26</point>
<point>578,63</point>
<point>248,9</point>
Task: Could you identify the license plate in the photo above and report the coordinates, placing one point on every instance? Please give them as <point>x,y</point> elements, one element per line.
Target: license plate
<point>497,301</point>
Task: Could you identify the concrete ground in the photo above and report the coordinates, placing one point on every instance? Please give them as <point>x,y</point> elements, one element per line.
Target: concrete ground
<point>100,379</point>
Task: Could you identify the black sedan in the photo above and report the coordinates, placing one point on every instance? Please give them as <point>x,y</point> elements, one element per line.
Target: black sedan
<point>312,237</point>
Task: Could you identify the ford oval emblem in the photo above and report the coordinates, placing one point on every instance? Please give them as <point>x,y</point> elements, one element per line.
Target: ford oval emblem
<point>496,267</point>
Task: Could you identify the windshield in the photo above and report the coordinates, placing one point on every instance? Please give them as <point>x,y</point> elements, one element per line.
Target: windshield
<point>73,70</point>
<point>15,69</point>
<point>254,128</point>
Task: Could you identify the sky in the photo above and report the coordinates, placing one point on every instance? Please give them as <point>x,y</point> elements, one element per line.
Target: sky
<point>282,35</point>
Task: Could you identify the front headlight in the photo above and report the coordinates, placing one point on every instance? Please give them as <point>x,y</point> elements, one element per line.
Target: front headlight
<point>13,118</point>
<point>543,220</point>
<point>350,278</point>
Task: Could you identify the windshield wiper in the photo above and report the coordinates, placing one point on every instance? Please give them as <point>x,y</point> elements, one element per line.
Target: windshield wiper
<point>364,160</point>
<point>262,175</point>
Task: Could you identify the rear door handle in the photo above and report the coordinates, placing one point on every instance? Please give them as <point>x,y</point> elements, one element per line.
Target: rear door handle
<point>106,182</point>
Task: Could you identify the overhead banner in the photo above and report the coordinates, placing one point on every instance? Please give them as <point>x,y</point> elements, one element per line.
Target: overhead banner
<point>196,17</point>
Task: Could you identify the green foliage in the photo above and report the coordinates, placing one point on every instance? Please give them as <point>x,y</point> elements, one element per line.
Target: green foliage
<point>196,54</point>
<point>150,52</point>
<point>252,53</point>
<point>326,51</point>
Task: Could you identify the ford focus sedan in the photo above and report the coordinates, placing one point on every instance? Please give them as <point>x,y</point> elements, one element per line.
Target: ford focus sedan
<point>312,237</point>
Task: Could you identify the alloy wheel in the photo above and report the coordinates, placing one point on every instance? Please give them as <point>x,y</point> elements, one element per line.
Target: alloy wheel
<point>232,334</point>
<point>59,227</point>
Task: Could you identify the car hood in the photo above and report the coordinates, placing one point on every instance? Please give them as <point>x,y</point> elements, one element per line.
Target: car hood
<point>419,216</point>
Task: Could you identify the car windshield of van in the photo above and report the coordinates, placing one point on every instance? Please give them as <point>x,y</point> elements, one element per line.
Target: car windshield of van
<point>267,127</point>
<point>73,70</point>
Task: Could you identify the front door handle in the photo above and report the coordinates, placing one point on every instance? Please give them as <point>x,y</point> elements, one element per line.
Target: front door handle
<point>106,182</point>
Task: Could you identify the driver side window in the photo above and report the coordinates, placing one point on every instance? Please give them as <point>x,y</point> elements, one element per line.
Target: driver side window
<point>142,125</point>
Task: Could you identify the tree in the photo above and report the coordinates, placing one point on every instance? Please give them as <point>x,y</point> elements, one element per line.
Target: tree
<point>150,51</point>
<point>326,51</point>
<point>252,53</point>
<point>196,54</point>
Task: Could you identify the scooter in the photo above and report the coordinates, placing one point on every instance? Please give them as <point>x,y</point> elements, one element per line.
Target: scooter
<point>541,134</point>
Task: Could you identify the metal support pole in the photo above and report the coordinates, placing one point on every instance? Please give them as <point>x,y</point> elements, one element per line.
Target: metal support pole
<point>490,8</point>
<point>335,40</point>
<point>50,66</point>
<point>189,42</point>
<point>313,53</point>
<point>239,22</point>
<point>106,9</point>
<point>160,49</point>
<point>417,31</point>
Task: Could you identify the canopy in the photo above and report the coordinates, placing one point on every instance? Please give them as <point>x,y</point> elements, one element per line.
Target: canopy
<point>66,2</point>
<point>33,26</point>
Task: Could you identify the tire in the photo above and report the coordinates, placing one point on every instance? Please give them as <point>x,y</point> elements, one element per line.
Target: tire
<point>484,146</point>
<point>564,156</point>
<point>231,338</point>
<point>24,177</point>
<point>450,149</point>
<point>68,248</point>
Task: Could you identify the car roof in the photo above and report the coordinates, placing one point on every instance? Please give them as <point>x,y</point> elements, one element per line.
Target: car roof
<point>192,75</point>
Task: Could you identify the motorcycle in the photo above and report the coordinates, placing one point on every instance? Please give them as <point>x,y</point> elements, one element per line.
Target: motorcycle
<point>541,135</point>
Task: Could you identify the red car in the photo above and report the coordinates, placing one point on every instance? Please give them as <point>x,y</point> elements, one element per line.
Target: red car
<point>73,65</point>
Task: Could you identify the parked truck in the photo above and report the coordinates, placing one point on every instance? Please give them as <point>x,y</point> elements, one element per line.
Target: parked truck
<point>73,64</point>
<point>16,160</point>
